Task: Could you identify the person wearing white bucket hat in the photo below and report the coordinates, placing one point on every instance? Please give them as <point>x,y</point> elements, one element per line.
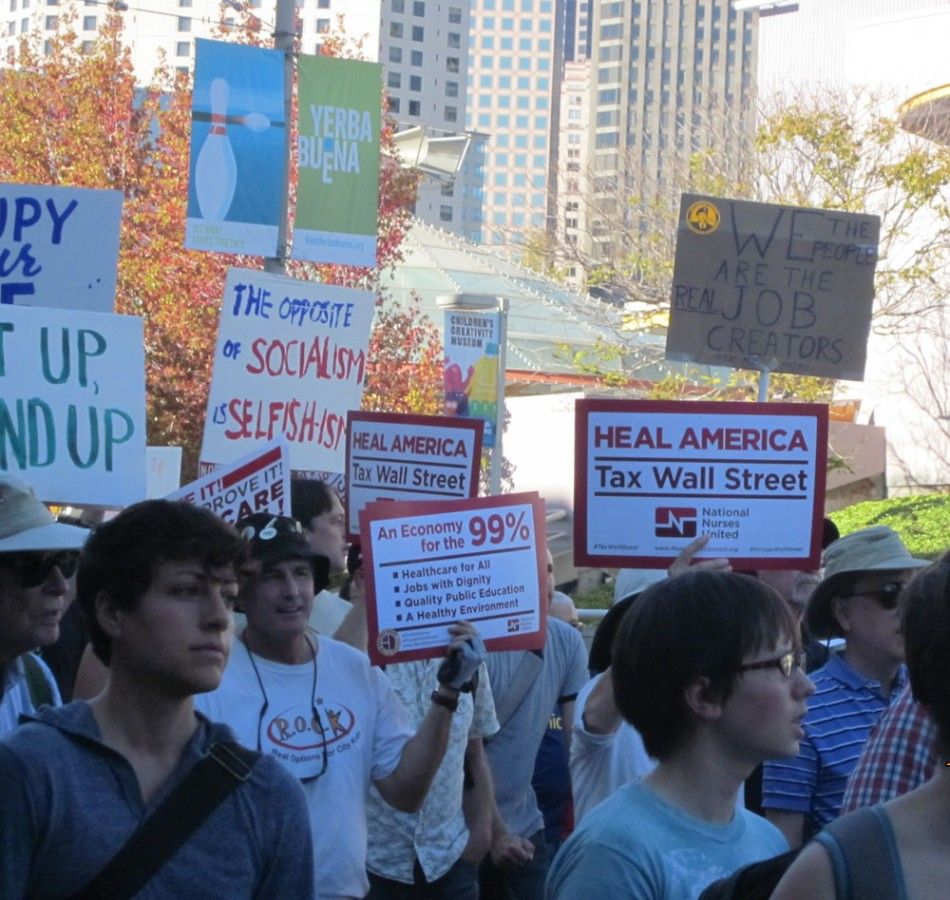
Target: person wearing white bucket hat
<point>857,599</point>
<point>38,558</point>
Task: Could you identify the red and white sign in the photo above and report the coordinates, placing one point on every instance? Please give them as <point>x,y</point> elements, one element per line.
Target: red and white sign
<point>652,476</point>
<point>403,457</point>
<point>429,564</point>
<point>258,482</point>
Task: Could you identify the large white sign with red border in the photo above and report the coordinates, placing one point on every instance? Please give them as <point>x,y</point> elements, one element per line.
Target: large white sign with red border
<point>390,456</point>
<point>651,476</point>
<point>429,564</point>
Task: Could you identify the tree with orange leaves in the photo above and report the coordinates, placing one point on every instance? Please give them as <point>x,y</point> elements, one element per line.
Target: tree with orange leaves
<point>76,117</point>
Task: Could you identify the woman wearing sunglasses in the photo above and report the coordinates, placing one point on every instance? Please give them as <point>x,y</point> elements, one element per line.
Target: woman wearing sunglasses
<point>38,558</point>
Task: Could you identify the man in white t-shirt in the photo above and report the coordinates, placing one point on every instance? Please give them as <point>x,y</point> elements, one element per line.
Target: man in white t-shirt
<point>322,710</point>
<point>38,558</point>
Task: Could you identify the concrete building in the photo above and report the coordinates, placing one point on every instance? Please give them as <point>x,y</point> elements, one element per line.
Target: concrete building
<point>669,77</point>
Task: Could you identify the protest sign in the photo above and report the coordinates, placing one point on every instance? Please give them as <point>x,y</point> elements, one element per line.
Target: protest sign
<point>652,476</point>
<point>290,360</point>
<point>162,471</point>
<point>763,286</point>
<point>258,482</point>
<point>59,246</point>
<point>237,168</point>
<point>402,457</point>
<point>338,161</point>
<point>471,367</point>
<point>432,563</point>
<point>72,404</point>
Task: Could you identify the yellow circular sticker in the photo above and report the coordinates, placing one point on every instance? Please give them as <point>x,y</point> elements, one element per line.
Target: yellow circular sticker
<point>702,217</point>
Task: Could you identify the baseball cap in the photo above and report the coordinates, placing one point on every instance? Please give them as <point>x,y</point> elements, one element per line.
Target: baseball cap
<point>875,549</point>
<point>634,581</point>
<point>273,539</point>
<point>26,523</point>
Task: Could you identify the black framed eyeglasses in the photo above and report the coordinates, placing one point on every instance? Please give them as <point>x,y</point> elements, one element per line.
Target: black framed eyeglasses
<point>888,595</point>
<point>33,567</point>
<point>788,663</point>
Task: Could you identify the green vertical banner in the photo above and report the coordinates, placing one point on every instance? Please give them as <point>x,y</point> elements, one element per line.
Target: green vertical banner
<point>337,161</point>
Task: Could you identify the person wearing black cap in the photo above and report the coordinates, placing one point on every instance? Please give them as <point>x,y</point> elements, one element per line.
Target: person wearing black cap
<point>857,600</point>
<point>321,709</point>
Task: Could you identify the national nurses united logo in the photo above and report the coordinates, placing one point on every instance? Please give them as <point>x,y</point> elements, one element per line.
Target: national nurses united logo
<point>675,522</point>
<point>702,217</point>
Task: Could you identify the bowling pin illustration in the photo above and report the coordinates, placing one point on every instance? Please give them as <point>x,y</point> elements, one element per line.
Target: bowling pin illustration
<point>216,168</point>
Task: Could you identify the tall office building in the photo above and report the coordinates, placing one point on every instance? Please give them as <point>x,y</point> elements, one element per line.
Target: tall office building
<point>515,66</point>
<point>669,78</point>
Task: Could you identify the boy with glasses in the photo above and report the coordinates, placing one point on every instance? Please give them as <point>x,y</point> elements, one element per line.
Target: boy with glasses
<point>857,600</point>
<point>707,667</point>
<point>38,558</point>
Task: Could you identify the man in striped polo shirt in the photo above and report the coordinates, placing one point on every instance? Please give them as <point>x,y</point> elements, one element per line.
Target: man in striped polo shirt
<point>857,600</point>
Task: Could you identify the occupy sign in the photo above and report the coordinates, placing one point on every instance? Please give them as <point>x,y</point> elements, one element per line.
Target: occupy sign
<point>404,457</point>
<point>72,404</point>
<point>763,286</point>
<point>432,563</point>
<point>290,361</point>
<point>650,477</point>
<point>59,246</point>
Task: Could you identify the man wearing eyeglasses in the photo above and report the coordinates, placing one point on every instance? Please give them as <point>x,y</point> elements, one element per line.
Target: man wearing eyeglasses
<point>857,600</point>
<point>318,706</point>
<point>38,558</point>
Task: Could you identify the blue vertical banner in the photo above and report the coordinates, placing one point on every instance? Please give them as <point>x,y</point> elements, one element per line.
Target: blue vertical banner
<point>237,172</point>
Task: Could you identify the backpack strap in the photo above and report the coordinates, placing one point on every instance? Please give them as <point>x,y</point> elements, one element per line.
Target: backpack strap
<point>863,855</point>
<point>41,694</point>
<point>155,841</point>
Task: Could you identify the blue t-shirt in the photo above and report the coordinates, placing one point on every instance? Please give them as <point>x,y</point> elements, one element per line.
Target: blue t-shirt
<point>635,844</point>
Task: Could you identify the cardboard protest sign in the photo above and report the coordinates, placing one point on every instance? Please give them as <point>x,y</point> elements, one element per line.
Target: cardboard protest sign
<point>59,246</point>
<point>72,404</point>
<point>471,367</point>
<point>337,161</point>
<point>433,563</point>
<point>162,471</point>
<point>653,476</point>
<point>258,482</point>
<point>290,360</point>
<point>763,286</point>
<point>402,457</point>
<point>237,167</point>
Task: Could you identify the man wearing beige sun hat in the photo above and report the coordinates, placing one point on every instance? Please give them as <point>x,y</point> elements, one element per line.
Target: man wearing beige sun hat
<point>857,599</point>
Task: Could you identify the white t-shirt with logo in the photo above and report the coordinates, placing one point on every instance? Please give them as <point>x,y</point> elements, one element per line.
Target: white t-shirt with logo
<point>365,729</point>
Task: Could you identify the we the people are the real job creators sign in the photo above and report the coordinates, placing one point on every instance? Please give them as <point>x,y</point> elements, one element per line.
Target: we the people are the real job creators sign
<point>653,476</point>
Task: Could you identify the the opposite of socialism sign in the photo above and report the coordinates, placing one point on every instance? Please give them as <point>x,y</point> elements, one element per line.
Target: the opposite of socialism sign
<point>429,564</point>
<point>652,476</point>
<point>390,456</point>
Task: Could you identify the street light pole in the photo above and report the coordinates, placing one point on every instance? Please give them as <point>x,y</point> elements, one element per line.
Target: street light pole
<point>284,35</point>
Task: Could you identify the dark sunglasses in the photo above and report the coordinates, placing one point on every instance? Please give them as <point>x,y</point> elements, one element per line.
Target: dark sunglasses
<point>787,663</point>
<point>887,594</point>
<point>32,568</point>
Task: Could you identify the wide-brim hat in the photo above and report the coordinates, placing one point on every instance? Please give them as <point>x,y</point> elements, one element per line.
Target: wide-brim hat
<point>273,539</point>
<point>876,549</point>
<point>26,524</point>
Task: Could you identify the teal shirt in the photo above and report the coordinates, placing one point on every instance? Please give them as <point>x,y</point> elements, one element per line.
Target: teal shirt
<point>635,844</point>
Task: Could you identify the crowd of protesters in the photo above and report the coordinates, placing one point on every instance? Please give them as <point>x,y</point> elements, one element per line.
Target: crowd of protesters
<point>729,735</point>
